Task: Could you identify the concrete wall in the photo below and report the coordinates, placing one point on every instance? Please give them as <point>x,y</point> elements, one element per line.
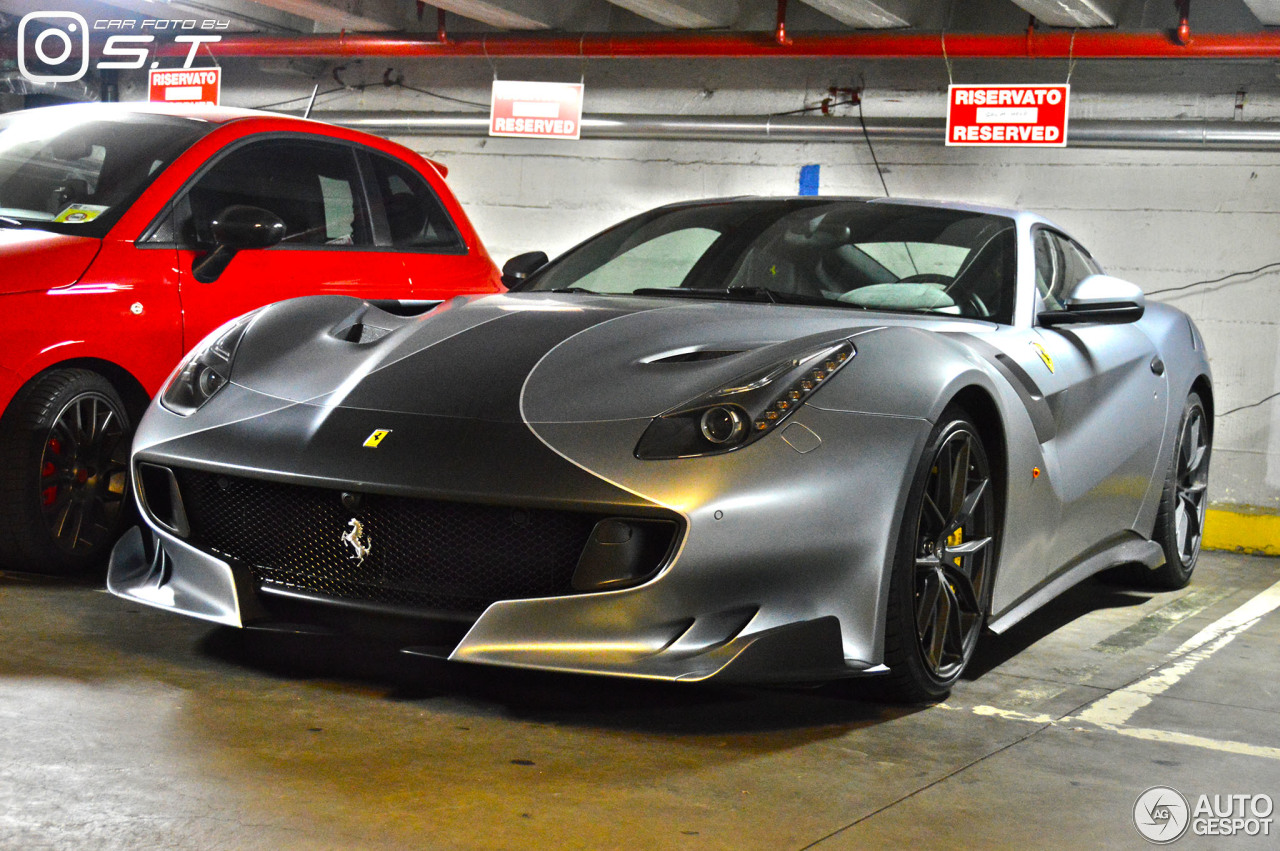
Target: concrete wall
<point>1159,218</point>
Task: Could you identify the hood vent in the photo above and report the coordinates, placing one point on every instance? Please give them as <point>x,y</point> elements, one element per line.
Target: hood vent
<point>360,333</point>
<point>359,329</point>
<point>692,355</point>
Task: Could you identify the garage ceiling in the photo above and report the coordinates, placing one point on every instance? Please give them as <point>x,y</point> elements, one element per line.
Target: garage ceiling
<point>308,17</point>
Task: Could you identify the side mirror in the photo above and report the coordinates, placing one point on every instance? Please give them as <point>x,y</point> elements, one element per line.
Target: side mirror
<point>520,267</point>
<point>237,228</point>
<point>1099,299</point>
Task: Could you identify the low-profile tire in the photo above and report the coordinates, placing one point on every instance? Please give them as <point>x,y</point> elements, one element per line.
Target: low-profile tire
<point>64,451</point>
<point>940,588</point>
<point>1183,500</point>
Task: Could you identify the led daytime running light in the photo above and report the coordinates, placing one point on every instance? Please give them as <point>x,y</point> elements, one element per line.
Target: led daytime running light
<point>742,412</point>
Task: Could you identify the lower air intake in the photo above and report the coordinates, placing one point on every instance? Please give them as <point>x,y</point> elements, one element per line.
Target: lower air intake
<point>417,553</point>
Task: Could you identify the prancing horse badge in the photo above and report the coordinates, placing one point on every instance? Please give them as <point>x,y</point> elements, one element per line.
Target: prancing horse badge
<point>357,541</point>
<point>374,439</point>
<point>1040,350</point>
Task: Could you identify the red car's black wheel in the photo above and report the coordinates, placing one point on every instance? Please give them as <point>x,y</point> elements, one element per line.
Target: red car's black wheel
<point>64,454</point>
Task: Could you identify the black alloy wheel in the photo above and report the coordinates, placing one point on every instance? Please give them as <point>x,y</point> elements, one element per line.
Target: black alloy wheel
<point>941,585</point>
<point>64,480</point>
<point>1183,500</point>
<point>82,474</point>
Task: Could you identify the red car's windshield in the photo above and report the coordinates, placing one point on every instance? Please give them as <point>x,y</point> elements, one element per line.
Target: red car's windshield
<point>77,169</point>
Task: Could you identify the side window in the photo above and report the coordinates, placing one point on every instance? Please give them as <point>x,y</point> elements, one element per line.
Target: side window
<point>1049,271</point>
<point>313,187</point>
<point>1079,265</point>
<point>414,215</point>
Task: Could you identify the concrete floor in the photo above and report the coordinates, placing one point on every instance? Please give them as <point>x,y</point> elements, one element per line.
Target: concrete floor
<point>123,727</point>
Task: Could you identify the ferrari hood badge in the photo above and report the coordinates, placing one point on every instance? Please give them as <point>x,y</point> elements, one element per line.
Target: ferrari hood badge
<point>372,441</point>
<point>1040,350</point>
<point>357,542</point>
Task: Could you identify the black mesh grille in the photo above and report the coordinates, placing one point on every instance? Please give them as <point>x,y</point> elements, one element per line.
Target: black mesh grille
<point>423,553</point>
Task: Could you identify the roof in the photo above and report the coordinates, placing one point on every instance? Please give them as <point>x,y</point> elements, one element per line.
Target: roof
<point>212,114</point>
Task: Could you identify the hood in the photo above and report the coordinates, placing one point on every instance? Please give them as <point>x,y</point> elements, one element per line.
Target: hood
<point>36,260</point>
<point>531,357</point>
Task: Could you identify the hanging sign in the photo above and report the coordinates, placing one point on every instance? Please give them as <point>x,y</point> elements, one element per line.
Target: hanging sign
<point>185,85</point>
<point>1032,116</point>
<point>536,110</point>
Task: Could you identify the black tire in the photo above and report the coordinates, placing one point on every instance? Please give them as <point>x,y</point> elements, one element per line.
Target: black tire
<point>1183,500</point>
<point>940,588</point>
<point>64,451</point>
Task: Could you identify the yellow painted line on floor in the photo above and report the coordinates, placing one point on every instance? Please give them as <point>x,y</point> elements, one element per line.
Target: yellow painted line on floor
<point>1113,711</point>
<point>1120,705</point>
<point>1242,529</point>
<point>1144,733</point>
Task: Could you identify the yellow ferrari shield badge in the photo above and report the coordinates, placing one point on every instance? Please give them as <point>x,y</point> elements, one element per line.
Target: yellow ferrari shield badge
<point>1040,350</point>
<point>374,439</point>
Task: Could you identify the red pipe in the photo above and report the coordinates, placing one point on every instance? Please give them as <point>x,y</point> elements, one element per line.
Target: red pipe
<point>781,35</point>
<point>741,45</point>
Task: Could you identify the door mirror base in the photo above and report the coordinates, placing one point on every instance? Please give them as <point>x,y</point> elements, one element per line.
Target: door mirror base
<point>516,270</point>
<point>1099,299</point>
<point>237,228</point>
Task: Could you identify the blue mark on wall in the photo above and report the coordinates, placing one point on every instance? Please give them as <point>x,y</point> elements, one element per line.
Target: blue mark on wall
<point>809,179</point>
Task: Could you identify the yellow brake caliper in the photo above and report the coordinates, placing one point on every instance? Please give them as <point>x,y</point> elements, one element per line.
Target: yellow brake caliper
<point>955,539</point>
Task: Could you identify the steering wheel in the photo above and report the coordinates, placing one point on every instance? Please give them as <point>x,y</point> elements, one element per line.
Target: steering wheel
<point>926,278</point>
<point>974,301</point>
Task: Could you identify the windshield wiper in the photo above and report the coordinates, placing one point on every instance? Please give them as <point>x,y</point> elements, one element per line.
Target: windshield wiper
<point>737,294</point>
<point>569,290</point>
<point>11,222</point>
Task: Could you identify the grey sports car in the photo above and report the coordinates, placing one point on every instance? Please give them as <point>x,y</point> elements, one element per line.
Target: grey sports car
<point>752,439</point>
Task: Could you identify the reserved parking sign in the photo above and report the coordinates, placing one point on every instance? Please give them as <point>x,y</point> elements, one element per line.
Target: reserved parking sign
<point>536,110</point>
<point>1032,115</point>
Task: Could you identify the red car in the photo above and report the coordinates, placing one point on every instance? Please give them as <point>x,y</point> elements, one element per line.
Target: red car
<point>130,231</point>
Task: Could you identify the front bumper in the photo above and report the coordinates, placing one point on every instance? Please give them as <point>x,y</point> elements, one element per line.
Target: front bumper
<point>779,575</point>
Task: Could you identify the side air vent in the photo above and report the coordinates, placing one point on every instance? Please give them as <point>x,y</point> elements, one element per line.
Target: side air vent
<point>162,499</point>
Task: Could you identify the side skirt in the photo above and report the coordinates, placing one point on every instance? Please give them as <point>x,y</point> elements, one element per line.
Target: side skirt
<point>1124,551</point>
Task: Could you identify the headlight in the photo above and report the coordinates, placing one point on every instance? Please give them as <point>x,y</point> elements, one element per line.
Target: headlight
<point>744,410</point>
<point>206,369</point>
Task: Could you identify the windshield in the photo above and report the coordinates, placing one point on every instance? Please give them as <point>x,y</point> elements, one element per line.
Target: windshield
<point>883,256</point>
<point>77,169</point>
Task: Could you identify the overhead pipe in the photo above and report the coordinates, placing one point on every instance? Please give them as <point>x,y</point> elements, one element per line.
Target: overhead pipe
<point>1034,44</point>
<point>1083,133</point>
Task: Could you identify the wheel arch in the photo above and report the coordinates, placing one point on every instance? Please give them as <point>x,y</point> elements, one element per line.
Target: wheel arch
<point>135,396</point>
<point>1204,389</point>
<point>978,402</point>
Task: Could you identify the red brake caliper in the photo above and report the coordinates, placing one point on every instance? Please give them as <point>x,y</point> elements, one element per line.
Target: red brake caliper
<point>50,494</point>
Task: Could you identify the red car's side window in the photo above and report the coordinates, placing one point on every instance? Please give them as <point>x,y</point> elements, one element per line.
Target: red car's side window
<point>313,187</point>
<point>414,216</point>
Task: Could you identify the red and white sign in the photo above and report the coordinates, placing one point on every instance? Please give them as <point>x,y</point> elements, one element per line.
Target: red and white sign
<point>536,110</point>
<point>185,85</point>
<point>1033,116</point>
